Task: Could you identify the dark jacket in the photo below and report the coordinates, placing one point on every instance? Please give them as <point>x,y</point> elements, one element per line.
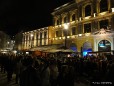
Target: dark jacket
<point>30,77</point>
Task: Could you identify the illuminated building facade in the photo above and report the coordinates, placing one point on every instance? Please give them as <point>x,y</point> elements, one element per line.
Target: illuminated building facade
<point>91,24</point>
<point>90,27</point>
<point>36,38</point>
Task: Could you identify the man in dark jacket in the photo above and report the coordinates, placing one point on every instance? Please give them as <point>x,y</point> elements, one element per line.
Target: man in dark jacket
<point>30,77</point>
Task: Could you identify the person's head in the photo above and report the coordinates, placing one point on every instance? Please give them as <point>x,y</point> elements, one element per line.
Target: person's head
<point>28,61</point>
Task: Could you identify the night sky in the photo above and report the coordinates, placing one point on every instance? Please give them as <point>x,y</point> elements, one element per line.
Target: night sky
<point>17,15</point>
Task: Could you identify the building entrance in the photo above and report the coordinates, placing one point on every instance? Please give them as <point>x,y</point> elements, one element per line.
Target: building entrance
<point>86,48</point>
<point>104,45</point>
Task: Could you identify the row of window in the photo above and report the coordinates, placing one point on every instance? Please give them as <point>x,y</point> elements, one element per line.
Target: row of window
<point>87,10</point>
<point>87,29</point>
<point>29,37</point>
<point>38,43</point>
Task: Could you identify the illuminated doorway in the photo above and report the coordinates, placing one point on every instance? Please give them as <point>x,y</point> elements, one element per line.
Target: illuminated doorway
<point>87,47</point>
<point>104,45</point>
<point>73,47</point>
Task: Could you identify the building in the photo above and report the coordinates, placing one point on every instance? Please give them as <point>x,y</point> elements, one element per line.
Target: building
<point>4,41</point>
<point>90,27</point>
<point>18,41</point>
<point>91,24</point>
<point>36,38</point>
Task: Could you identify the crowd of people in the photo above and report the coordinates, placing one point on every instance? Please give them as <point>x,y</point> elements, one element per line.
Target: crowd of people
<point>57,71</point>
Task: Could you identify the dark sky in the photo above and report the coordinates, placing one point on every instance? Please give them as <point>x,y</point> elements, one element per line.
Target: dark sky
<point>16,15</point>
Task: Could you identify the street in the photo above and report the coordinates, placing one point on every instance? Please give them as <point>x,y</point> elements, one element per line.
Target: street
<point>3,80</point>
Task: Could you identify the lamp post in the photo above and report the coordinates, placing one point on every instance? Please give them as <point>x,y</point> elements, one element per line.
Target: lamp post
<point>31,39</point>
<point>66,29</point>
<point>8,45</point>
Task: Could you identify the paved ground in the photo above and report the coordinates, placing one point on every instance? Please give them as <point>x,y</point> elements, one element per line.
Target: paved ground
<point>3,81</point>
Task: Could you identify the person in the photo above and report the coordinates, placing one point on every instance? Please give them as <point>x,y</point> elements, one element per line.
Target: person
<point>62,79</point>
<point>53,72</point>
<point>29,76</point>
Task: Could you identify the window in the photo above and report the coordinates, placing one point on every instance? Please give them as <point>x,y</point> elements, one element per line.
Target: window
<point>36,39</point>
<point>103,5</point>
<point>45,34</point>
<point>73,17</point>
<point>58,22</point>
<point>65,19</point>
<point>87,28</point>
<point>57,33</point>
<point>104,45</point>
<point>79,29</point>
<point>103,24</point>
<point>74,31</point>
<point>40,38</point>
<point>88,10</point>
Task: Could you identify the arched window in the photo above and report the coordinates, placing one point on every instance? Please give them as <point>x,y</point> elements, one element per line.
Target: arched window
<point>103,5</point>
<point>73,17</point>
<point>88,10</point>
<point>57,33</point>
<point>65,19</point>
<point>58,22</point>
<point>87,47</point>
<point>104,45</point>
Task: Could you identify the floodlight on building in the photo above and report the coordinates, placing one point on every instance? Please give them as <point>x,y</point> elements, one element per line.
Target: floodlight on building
<point>94,15</point>
<point>66,25</point>
<point>88,17</point>
<point>80,19</point>
<point>79,34</point>
<point>103,13</point>
<point>112,9</point>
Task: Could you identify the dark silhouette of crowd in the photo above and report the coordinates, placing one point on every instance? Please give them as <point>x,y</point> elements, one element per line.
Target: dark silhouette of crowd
<point>50,71</point>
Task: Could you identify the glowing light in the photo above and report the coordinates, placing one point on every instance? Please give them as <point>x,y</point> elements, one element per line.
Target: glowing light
<point>59,25</point>
<point>86,51</point>
<point>63,37</point>
<point>68,36</point>
<point>73,36</point>
<point>80,35</point>
<point>72,22</point>
<point>80,19</point>
<point>56,38</point>
<point>94,15</point>
<point>87,34</point>
<point>66,26</point>
<point>103,13</point>
<point>59,37</point>
<point>87,17</point>
<point>112,9</point>
<point>15,52</point>
<point>27,53</point>
<point>31,35</point>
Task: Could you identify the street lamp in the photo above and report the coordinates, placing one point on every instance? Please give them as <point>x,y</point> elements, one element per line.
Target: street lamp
<point>7,44</point>
<point>31,39</point>
<point>66,29</point>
